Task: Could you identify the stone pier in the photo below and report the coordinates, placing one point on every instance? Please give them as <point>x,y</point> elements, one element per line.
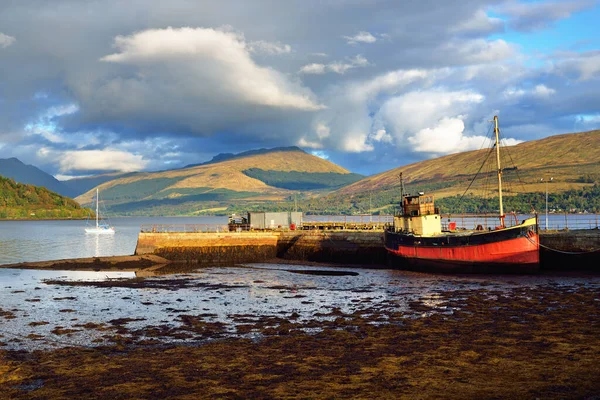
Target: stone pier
<point>578,249</point>
<point>355,247</point>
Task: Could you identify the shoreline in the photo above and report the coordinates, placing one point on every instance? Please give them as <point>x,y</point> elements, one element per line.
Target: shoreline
<point>131,263</point>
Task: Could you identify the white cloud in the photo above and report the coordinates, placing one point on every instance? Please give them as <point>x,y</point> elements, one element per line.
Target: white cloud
<point>480,51</point>
<point>314,68</point>
<point>303,142</point>
<point>47,132</point>
<point>388,82</point>
<point>584,66</point>
<point>543,91</point>
<point>202,63</point>
<point>446,137</point>
<point>338,67</point>
<point>540,91</point>
<point>261,46</point>
<point>322,130</point>
<point>45,125</point>
<point>6,40</point>
<point>346,124</point>
<point>417,110</point>
<point>513,93</point>
<point>61,110</point>
<point>480,22</point>
<point>381,136</point>
<point>361,37</point>
<point>104,160</point>
<point>430,121</point>
<point>356,142</point>
<point>589,67</point>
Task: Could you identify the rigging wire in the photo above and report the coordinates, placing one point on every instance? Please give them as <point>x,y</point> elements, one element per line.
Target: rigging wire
<point>518,175</point>
<point>480,168</point>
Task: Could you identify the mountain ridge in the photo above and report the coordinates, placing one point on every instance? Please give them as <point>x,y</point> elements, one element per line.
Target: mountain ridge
<point>229,156</point>
<point>14,168</point>
<point>218,181</point>
<point>560,156</point>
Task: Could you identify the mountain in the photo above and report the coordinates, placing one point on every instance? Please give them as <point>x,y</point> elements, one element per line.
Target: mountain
<point>28,174</point>
<point>21,201</point>
<point>230,156</point>
<point>79,186</point>
<point>251,177</point>
<point>567,158</point>
<point>571,160</point>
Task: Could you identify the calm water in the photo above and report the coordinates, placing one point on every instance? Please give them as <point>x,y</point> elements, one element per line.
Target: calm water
<point>28,241</point>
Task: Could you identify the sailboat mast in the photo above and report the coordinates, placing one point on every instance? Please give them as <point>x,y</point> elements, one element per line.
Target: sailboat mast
<point>96,208</point>
<point>496,132</point>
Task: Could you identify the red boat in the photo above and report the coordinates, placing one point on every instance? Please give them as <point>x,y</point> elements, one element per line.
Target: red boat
<point>417,241</point>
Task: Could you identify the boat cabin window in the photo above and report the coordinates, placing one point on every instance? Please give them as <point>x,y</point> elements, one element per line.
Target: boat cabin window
<point>419,205</point>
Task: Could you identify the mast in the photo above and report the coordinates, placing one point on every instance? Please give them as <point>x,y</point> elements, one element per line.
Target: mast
<point>496,132</point>
<point>401,194</point>
<point>96,208</point>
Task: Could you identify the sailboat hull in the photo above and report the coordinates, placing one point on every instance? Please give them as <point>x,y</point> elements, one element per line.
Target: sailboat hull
<point>101,231</point>
<point>508,250</point>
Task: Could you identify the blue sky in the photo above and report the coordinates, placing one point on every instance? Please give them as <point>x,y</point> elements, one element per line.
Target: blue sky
<point>104,85</point>
<point>579,32</point>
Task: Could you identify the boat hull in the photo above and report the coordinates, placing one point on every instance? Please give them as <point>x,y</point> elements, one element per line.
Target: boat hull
<point>100,231</point>
<point>509,250</point>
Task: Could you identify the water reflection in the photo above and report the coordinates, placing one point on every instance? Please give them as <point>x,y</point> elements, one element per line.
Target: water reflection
<point>30,241</point>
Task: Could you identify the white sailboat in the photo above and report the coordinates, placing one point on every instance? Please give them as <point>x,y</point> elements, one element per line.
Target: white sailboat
<point>101,226</point>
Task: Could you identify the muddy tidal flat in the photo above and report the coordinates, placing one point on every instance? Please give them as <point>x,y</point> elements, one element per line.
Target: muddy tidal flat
<point>280,330</point>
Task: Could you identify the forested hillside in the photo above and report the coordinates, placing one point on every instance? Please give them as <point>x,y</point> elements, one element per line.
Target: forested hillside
<point>19,201</point>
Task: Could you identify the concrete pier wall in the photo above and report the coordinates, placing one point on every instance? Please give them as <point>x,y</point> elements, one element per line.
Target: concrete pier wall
<point>233,247</point>
<point>207,248</point>
<point>576,249</point>
<point>559,250</point>
<point>352,247</point>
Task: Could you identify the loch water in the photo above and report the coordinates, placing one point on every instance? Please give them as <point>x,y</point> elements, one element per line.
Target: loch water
<point>30,241</point>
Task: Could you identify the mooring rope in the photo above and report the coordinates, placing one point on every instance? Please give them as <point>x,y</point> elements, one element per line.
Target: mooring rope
<point>570,252</point>
<point>561,251</point>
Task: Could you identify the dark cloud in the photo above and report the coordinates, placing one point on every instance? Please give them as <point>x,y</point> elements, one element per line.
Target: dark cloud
<point>159,87</point>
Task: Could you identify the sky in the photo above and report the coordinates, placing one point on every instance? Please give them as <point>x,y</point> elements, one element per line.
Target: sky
<point>95,86</point>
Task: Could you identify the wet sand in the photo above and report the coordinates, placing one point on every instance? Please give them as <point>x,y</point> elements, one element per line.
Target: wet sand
<point>468,337</point>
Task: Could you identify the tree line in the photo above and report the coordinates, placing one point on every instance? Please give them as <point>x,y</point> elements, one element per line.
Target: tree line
<point>20,201</point>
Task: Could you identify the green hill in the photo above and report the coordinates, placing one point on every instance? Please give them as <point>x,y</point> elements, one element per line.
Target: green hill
<point>572,160</point>
<point>260,177</point>
<point>20,201</point>
<point>289,178</point>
